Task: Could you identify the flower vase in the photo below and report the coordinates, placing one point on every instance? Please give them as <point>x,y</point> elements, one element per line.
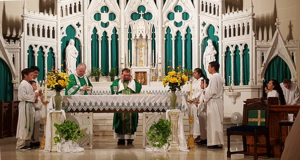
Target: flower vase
<point>57,99</point>
<point>173,99</point>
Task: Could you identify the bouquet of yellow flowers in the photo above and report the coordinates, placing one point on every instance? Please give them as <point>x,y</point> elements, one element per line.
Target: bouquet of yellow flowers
<point>175,79</point>
<point>56,80</point>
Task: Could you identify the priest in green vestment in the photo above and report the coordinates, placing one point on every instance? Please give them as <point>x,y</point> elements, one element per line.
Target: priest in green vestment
<point>125,124</point>
<point>79,84</point>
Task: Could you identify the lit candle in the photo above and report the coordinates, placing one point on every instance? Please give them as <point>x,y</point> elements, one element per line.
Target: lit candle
<point>191,90</point>
<point>46,90</point>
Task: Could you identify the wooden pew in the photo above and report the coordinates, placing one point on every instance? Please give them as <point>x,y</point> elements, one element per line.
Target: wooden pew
<point>277,113</point>
<point>14,118</point>
<point>5,118</point>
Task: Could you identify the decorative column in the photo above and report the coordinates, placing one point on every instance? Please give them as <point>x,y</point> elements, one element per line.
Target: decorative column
<point>133,51</point>
<point>122,51</point>
<point>241,64</point>
<point>58,42</point>
<point>183,55</point>
<point>223,62</point>
<point>149,55</point>
<point>45,61</point>
<point>195,37</point>
<point>174,116</point>
<point>100,52</point>
<point>56,117</point>
<point>173,51</point>
<point>86,47</point>
<point>160,39</point>
<point>35,55</point>
<point>232,70</point>
<point>252,47</point>
<point>109,52</point>
<point>221,4</point>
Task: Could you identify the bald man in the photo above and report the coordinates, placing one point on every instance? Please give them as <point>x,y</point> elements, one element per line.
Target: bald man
<point>79,84</point>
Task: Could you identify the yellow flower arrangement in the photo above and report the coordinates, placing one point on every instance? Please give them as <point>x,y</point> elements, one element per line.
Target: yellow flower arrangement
<point>56,80</point>
<point>175,80</point>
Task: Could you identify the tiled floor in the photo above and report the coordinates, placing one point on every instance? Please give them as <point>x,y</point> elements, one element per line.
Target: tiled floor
<point>106,148</point>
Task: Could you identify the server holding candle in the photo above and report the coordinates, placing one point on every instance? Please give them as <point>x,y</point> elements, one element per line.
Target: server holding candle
<point>37,115</point>
<point>194,94</point>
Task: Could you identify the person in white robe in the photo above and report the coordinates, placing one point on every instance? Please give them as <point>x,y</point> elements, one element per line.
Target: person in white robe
<point>215,107</point>
<point>27,97</point>
<point>37,115</point>
<point>273,89</point>
<point>290,92</point>
<point>194,95</point>
<point>202,113</point>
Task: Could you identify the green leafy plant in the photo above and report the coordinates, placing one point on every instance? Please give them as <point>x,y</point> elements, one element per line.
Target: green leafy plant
<point>97,73</point>
<point>68,130</point>
<point>159,133</point>
<point>113,72</point>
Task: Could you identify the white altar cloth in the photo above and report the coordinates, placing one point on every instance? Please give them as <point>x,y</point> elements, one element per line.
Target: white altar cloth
<point>137,102</point>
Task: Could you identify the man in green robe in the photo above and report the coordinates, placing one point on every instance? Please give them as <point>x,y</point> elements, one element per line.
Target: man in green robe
<point>125,124</point>
<point>79,84</point>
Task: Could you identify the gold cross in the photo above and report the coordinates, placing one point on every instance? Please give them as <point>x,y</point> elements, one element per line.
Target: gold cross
<point>258,119</point>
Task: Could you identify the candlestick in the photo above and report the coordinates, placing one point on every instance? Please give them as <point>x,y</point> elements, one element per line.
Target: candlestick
<point>191,90</point>
<point>46,91</point>
<point>229,80</point>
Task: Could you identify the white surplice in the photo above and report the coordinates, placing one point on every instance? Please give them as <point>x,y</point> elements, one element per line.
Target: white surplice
<point>196,92</point>
<point>202,116</point>
<point>291,95</point>
<point>215,110</point>
<point>26,97</point>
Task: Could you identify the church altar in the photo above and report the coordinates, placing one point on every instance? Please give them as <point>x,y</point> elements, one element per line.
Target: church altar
<point>80,108</point>
<point>121,103</point>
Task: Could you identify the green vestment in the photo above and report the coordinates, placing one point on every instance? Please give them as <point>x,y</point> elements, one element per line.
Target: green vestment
<point>75,83</point>
<point>125,123</point>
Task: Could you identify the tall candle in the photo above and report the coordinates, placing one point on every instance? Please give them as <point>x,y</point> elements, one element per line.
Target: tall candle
<point>191,90</point>
<point>129,57</point>
<point>229,81</point>
<point>46,90</point>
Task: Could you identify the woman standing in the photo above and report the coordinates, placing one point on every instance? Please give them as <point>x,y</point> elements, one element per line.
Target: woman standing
<point>196,92</point>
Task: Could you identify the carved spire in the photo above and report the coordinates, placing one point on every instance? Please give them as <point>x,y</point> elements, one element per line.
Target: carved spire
<point>277,23</point>
<point>24,7</point>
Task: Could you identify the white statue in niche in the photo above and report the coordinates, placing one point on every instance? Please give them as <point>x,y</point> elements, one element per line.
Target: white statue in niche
<point>209,56</point>
<point>71,57</point>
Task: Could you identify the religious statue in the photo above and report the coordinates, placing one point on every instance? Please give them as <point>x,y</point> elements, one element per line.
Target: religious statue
<point>71,57</point>
<point>209,56</point>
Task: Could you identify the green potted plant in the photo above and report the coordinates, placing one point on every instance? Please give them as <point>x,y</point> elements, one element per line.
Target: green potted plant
<point>112,73</point>
<point>97,73</point>
<point>68,133</point>
<point>159,133</point>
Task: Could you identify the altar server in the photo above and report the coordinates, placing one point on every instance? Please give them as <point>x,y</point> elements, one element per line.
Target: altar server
<point>195,94</point>
<point>203,113</point>
<point>215,107</point>
<point>27,97</point>
<point>290,92</point>
<point>125,124</point>
<point>37,115</point>
<point>79,84</point>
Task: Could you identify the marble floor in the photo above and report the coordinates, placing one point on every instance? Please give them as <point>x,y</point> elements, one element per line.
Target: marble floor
<point>106,148</point>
